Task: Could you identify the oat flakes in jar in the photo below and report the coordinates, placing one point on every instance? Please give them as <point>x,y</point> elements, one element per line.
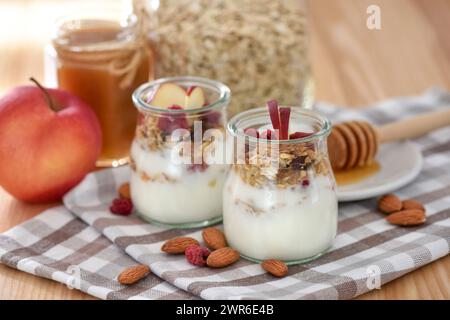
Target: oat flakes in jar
<point>259,48</point>
<point>279,198</point>
<point>181,121</point>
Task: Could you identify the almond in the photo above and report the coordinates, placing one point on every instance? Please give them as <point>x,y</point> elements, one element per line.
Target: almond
<point>133,274</point>
<point>412,204</point>
<point>389,203</point>
<point>411,217</point>
<point>214,238</point>
<point>222,257</point>
<point>178,245</point>
<point>124,191</point>
<point>276,268</point>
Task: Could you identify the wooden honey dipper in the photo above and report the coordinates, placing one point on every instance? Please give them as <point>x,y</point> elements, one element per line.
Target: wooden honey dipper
<point>354,144</point>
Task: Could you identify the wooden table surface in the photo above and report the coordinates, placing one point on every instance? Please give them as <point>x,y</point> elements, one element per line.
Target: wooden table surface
<point>352,65</point>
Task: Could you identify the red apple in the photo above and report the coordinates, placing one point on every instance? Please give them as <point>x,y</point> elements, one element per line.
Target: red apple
<point>49,141</point>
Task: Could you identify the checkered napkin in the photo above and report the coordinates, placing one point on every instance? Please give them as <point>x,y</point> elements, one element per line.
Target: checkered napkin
<point>366,243</point>
<point>59,246</point>
<point>55,245</point>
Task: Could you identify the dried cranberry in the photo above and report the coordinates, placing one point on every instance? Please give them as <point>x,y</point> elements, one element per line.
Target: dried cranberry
<point>122,207</point>
<point>305,183</point>
<point>168,122</point>
<point>299,163</point>
<point>196,255</point>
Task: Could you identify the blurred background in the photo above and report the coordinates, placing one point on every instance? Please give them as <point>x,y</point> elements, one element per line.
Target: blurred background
<point>351,64</point>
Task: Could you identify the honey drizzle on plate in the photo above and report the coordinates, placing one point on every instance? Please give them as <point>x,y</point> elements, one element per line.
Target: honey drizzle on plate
<point>355,175</point>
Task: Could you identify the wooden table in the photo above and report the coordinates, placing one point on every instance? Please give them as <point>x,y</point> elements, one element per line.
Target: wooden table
<point>353,66</point>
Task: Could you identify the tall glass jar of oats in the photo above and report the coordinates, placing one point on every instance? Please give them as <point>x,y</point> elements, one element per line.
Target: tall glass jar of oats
<point>259,48</point>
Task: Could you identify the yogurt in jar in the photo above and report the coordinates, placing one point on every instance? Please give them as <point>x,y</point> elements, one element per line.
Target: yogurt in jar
<point>171,182</point>
<point>174,194</point>
<point>286,224</point>
<point>279,200</point>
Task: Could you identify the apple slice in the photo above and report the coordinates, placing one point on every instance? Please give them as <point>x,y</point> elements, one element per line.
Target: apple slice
<point>274,115</point>
<point>299,135</point>
<point>285,114</point>
<point>195,98</point>
<point>168,94</point>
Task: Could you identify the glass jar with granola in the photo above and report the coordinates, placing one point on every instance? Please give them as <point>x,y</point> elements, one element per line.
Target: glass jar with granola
<point>177,179</point>
<point>280,195</point>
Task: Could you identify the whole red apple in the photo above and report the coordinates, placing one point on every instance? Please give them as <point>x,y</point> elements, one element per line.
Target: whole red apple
<point>49,140</point>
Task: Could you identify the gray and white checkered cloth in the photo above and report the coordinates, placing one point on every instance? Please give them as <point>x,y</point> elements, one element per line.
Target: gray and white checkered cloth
<point>48,244</point>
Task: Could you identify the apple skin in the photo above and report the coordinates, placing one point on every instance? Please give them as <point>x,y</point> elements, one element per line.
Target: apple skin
<point>43,153</point>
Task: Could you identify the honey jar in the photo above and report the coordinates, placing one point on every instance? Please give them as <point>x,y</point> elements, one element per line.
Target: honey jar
<point>102,61</point>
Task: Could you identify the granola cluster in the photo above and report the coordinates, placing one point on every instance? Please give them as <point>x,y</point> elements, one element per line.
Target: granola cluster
<point>154,132</point>
<point>290,166</point>
<point>257,47</point>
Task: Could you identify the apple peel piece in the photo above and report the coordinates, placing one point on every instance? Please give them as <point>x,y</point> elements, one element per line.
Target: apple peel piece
<point>285,114</point>
<point>269,135</point>
<point>299,135</point>
<point>274,114</point>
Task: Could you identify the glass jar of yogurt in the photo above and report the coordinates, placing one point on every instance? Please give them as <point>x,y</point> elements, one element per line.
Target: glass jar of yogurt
<point>181,121</point>
<point>280,198</point>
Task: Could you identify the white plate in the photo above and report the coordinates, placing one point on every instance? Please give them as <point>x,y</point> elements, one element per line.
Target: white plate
<point>400,163</point>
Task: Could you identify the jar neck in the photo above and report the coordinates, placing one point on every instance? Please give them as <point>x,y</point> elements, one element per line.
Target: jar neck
<point>91,34</point>
<point>217,95</point>
<point>301,120</point>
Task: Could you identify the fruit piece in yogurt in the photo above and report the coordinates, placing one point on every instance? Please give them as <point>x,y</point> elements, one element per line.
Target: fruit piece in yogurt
<point>211,119</point>
<point>168,94</point>
<point>299,135</point>
<point>285,114</point>
<point>269,135</point>
<point>194,98</point>
<point>252,132</point>
<point>280,118</point>
<point>274,114</point>
<point>168,122</point>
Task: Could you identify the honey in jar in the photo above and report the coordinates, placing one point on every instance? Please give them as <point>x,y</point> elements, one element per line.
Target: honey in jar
<point>103,62</point>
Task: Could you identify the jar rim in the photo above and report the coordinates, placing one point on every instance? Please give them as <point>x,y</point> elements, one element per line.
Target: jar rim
<point>236,131</point>
<point>128,24</point>
<point>223,91</point>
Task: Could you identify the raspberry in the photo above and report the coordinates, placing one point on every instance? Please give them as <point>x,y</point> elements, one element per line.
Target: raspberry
<point>168,122</point>
<point>305,183</point>
<point>196,255</point>
<point>121,207</point>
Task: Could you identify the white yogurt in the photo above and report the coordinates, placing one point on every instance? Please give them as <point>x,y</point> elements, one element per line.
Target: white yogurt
<point>289,224</point>
<point>190,197</point>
